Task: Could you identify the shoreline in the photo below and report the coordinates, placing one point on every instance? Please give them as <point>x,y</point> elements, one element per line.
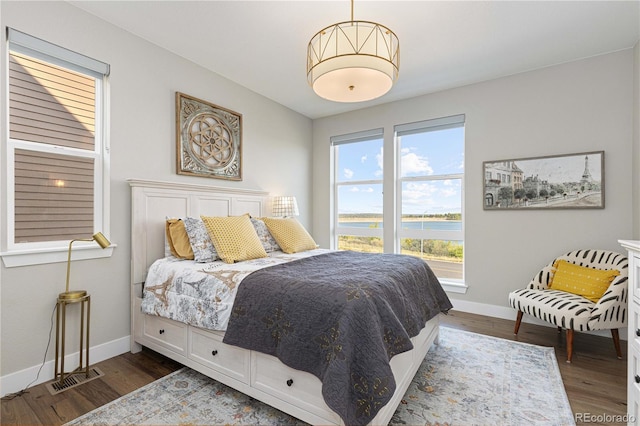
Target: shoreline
<point>407,219</point>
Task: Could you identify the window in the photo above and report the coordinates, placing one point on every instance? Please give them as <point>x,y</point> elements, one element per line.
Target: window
<point>57,153</point>
<point>430,194</point>
<point>358,177</point>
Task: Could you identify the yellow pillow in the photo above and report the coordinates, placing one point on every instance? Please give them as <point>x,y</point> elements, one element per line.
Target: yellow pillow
<point>234,238</point>
<point>586,282</point>
<point>290,234</point>
<point>178,239</point>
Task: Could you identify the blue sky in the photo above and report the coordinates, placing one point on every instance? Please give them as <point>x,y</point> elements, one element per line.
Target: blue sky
<point>422,154</point>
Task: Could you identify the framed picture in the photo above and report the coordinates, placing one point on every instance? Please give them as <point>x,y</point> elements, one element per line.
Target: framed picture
<point>208,139</point>
<point>571,181</point>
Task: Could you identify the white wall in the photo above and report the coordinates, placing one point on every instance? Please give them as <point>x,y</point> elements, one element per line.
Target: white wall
<point>575,107</point>
<point>144,79</point>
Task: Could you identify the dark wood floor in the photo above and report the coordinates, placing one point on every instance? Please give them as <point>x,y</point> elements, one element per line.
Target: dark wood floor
<point>595,381</point>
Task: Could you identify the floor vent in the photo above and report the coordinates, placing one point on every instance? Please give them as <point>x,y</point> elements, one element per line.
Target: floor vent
<point>73,380</point>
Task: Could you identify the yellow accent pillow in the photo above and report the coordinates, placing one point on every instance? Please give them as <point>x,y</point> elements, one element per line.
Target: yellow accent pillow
<point>178,239</point>
<point>586,282</point>
<point>234,238</point>
<point>290,234</point>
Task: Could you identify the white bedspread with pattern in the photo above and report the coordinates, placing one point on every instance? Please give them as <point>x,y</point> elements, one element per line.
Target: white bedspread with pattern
<point>202,294</point>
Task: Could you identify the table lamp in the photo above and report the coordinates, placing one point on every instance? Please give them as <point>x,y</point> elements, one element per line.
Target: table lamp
<point>285,206</point>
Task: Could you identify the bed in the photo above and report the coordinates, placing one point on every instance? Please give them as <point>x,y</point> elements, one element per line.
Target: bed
<point>263,366</point>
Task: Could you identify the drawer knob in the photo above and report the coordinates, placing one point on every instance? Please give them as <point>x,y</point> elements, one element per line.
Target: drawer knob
<point>638,332</point>
<point>637,379</point>
<point>214,353</point>
<point>161,331</point>
<point>290,381</point>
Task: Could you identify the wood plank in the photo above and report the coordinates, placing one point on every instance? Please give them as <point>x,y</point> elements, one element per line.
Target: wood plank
<point>44,124</point>
<point>595,381</point>
<point>18,102</point>
<point>18,411</point>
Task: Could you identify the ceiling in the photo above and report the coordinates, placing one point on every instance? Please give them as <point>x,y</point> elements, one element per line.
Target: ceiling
<point>444,44</point>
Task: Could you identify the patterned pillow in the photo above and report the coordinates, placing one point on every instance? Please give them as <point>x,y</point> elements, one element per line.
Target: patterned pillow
<point>234,237</point>
<point>586,282</point>
<point>178,240</point>
<point>267,240</point>
<point>203,249</point>
<point>290,234</point>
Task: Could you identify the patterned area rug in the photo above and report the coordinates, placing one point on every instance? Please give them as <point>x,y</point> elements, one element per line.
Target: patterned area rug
<point>467,379</point>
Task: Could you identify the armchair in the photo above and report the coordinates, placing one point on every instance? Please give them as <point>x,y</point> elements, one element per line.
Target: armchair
<point>571,311</point>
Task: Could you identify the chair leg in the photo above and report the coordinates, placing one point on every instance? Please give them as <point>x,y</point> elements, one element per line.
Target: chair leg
<point>569,344</point>
<point>518,321</point>
<point>616,341</point>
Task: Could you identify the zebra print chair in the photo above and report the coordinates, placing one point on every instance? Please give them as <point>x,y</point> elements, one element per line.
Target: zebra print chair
<point>573,312</point>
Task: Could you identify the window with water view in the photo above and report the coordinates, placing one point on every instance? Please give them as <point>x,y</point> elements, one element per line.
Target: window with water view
<point>428,193</point>
<point>430,183</point>
<point>358,193</point>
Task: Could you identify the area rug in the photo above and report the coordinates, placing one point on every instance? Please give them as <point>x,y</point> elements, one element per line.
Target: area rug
<point>467,379</point>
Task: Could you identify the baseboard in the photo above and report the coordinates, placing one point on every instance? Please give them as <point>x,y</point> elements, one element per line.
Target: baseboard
<point>504,312</point>
<point>17,381</point>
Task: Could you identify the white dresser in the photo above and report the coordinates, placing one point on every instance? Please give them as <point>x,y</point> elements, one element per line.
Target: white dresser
<point>633,372</point>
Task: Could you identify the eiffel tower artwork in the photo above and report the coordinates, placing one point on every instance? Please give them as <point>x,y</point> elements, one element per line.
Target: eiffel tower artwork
<point>586,175</point>
<point>552,182</point>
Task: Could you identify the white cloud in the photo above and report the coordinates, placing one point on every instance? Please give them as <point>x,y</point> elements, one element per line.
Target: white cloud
<point>414,164</point>
<point>354,189</point>
<point>368,189</point>
<point>380,161</point>
<point>449,192</point>
<point>363,159</point>
<point>348,173</point>
<point>418,194</point>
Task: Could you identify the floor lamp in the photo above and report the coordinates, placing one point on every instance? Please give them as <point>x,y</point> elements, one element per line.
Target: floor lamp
<point>72,297</point>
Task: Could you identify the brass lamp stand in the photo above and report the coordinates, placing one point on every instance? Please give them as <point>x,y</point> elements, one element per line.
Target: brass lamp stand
<point>72,297</point>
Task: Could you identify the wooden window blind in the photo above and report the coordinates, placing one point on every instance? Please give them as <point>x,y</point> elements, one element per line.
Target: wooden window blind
<point>54,193</point>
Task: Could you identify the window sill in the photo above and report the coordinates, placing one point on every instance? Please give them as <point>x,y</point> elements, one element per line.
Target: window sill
<point>454,287</point>
<point>53,255</point>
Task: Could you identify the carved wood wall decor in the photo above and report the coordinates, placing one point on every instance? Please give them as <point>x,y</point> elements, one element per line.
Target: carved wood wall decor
<point>208,139</point>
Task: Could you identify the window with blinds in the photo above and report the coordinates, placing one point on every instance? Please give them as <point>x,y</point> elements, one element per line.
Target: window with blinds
<point>56,149</point>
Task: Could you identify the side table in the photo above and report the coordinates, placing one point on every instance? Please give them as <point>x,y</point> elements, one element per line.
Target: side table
<point>64,299</point>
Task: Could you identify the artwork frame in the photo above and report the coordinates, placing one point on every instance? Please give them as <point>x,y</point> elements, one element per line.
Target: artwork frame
<point>208,139</point>
<point>566,181</point>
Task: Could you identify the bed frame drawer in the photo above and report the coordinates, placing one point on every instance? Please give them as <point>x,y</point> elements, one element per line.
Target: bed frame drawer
<point>206,348</point>
<point>169,334</point>
<point>297,387</point>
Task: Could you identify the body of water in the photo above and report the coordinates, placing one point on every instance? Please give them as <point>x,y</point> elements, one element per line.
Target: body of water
<point>444,225</point>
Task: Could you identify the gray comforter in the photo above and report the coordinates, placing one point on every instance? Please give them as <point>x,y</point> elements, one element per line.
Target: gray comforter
<point>340,316</point>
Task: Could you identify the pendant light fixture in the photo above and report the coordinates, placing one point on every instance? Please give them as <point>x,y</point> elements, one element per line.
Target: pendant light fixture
<point>353,61</point>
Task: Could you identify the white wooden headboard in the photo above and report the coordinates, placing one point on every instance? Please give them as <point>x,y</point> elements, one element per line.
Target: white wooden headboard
<point>152,202</point>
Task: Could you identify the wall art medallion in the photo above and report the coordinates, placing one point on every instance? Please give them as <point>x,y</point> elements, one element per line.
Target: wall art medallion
<point>571,181</point>
<point>208,139</point>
